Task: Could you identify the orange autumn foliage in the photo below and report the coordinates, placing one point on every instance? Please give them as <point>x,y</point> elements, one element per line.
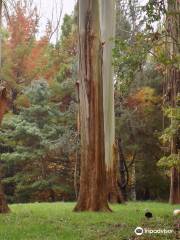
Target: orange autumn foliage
<point>26,57</point>
<point>142,99</point>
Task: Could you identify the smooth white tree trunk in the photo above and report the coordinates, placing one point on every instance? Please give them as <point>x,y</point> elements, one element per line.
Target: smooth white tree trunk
<point>107,24</point>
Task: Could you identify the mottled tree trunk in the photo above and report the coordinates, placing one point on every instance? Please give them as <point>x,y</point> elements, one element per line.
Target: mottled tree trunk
<point>107,23</point>
<point>93,189</point>
<point>114,192</point>
<point>3,107</point>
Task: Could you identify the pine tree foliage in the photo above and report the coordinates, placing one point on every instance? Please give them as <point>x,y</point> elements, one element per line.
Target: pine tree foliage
<point>38,136</point>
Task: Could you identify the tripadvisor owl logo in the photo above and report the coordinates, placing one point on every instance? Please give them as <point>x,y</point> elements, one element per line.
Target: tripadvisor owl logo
<point>139,231</point>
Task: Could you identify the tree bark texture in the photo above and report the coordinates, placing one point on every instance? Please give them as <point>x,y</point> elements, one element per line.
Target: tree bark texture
<point>107,25</point>
<point>173,87</point>
<point>114,193</point>
<point>93,189</point>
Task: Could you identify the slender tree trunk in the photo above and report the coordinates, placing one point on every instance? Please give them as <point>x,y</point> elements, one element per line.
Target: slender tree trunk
<point>123,171</point>
<point>133,182</point>
<point>132,165</point>
<point>93,191</point>
<point>107,22</point>
<point>77,161</point>
<point>77,173</point>
<point>174,197</point>
<point>3,106</point>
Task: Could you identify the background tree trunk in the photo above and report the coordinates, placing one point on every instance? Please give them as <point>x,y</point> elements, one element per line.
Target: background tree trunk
<point>123,171</point>
<point>133,182</point>
<point>93,192</point>
<point>175,187</point>
<point>3,204</point>
<point>3,106</point>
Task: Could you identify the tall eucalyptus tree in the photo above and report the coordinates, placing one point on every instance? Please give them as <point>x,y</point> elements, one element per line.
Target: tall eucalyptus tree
<point>93,191</point>
<point>98,180</point>
<point>107,26</point>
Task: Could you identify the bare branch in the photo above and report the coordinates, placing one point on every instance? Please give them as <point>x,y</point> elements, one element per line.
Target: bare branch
<point>58,21</point>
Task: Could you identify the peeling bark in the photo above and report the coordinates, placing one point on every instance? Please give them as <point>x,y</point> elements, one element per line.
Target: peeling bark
<point>107,24</point>
<point>93,189</point>
<point>114,193</point>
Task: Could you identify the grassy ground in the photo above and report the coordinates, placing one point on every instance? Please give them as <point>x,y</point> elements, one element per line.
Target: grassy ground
<point>56,221</point>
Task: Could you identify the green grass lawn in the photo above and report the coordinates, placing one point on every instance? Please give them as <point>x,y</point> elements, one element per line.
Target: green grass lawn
<point>56,221</point>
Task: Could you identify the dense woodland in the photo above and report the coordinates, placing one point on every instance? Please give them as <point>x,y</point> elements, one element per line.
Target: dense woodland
<point>93,117</point>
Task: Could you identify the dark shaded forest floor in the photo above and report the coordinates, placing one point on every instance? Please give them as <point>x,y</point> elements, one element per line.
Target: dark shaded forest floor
<point>56,221</point>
